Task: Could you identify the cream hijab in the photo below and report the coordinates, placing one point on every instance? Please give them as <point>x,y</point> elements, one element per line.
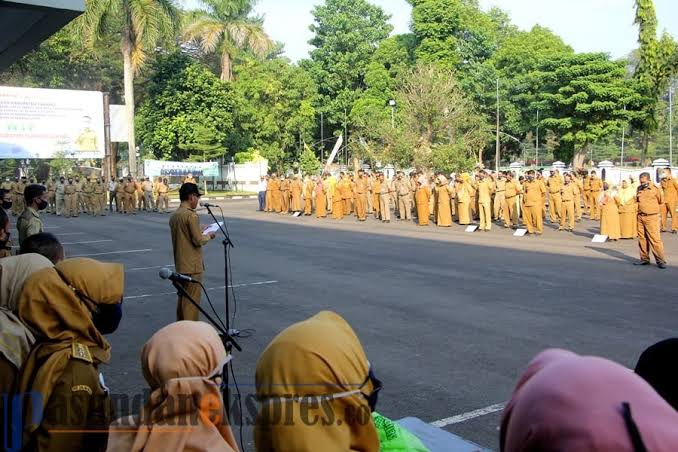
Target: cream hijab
<point>320,356</point>
<point>15,339</point>
<point>185,411</point>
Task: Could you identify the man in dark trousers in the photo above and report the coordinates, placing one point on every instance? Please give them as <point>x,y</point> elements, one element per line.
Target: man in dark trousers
<point>187,242</point>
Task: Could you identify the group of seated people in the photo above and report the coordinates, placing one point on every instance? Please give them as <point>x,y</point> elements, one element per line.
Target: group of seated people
<point>56,312</point>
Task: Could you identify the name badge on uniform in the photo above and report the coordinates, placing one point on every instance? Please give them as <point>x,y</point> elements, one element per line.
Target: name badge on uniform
<point>81,352</point>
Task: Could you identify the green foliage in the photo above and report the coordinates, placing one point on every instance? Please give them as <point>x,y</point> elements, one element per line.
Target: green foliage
<point>60,165</point>
<point>308,161</point>
<point>274,110</point>
<point>346,35</point>
<point>187,109</point>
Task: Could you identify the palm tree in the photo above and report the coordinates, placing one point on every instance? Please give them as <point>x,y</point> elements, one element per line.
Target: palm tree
<point>225,26</point>
<point>141,25</point>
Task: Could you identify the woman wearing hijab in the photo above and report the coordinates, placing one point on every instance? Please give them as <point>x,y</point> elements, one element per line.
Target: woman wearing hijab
<point>659,367</point>
<point>444,214</point>
<point>15,339</point>
<point>308,196</point>
<point>628,221</point>
<point>182,364</point>
<point>320,199</point>
<point>316,369</point>
<point>337,202</point>
<point>567,402</point>
<point>463,200</point>
<point>609,214</point>
<point>68,308</point>
<point>422,197</point>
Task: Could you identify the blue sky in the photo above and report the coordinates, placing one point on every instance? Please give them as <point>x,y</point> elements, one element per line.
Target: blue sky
<point>587,25</point>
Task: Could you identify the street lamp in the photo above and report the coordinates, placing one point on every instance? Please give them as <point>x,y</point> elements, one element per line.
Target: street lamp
<point>392,103</point>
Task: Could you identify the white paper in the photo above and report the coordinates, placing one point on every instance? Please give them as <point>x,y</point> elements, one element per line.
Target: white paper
<point>471,228</point>
<point>599,238</point>
<point>520,233</point>
<point>214,227</point>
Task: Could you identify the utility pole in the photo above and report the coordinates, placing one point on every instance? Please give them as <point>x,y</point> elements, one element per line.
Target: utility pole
<point>322,137</point>
<point>392,103</point>
<point>496,155</point>
<point>621,164</point>
<point>536,144</point>
<point>671,127</point>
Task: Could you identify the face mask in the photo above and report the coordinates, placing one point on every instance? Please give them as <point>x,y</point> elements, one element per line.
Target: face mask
<point>106,317</point>
<point>42,204</point>
<point>6,205</point>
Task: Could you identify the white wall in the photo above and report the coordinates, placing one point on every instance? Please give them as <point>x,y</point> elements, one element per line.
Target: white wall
<point>244,177</point>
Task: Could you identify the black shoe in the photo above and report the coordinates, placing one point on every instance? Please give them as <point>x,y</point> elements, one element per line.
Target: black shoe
<point>642,263</point>
<point>661,265</point>
<point>674,232</point>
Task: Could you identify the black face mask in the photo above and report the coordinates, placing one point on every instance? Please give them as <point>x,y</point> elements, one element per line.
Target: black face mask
<point>373,397</point>
<point>6,205</point>
<point>42,204</point>
<point>107,317</point>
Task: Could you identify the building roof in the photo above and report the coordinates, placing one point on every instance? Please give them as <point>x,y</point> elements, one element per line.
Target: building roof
<point>24,24</point>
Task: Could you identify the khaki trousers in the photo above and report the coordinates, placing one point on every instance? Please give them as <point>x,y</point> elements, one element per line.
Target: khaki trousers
<point>555,206</point>
<point>185,309</point>
<point>567,214</point>
<point>533,219</point>
<point>361,206</point>
<point>669,210</point>
<point>485,211</point>
<point>385,207</point>
<point>405,207</point>
<point>649,236</point>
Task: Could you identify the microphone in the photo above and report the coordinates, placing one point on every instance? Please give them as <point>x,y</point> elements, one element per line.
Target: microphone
<point>206,204</point>
<point>166,273</point>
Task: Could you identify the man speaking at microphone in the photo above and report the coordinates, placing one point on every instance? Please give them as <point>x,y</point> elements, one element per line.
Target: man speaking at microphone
<point>187,241</point>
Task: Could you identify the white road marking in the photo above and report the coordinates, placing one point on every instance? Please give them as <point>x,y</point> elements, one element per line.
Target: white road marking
<point>89,241</point>
<point>112,252</point>
<point>258,283</point>
<point>468,416</point>
<point>70,233</point>
<point>236,197</point>
<point>147,268</point>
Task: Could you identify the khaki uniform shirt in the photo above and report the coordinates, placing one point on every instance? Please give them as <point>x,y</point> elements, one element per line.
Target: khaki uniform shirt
<point>187,241</point>
<point>670,189</point>
<point>28,224</point>
<point>649,200</point>
<point>484,192</point>
<point>533,193</point>
<point>569,191</point>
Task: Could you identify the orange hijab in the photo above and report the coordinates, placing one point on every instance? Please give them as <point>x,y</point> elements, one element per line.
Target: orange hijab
<point>185,411</point>
<point>59,318</point>
<point>320,356</point>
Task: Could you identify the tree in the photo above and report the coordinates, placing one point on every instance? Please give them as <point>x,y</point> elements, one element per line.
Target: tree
<point>141,25</point>
<point>227,27</point>
<point>187,113</point>
<point>273,110</point>
<point>438,126</point>
<point>582,98</point>
<point>309,162</point>
<point>346,34</point>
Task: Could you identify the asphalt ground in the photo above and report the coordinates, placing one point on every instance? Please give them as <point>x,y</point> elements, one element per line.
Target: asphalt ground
<point>448,319</point>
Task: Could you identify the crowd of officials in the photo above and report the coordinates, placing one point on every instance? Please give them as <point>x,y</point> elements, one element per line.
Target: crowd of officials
<point>636,208</point>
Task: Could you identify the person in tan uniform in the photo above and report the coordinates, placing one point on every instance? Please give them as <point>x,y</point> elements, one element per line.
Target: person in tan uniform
<point>404,193</point>
<point>376,189</point>
<point>320,199</point>
<point>187,243</point>
<point>472,186</point>
<point>499,197</point>
<point>71,199</point>
<point>670,190</point>
<point>346,193</point>
<point>99,198</point>
<point>51,194</point>
<point>130,189</point>
<point>361,188</point>
<point>596,190</point>
<point>627,211</point>
<point>69,308</point>
<point>337,202</point>
<point>18,205</point>
<point>274,188</point>
<point>120,196</point>
<point>568,195</point>
<point>268,198</point>
<point>443,211</point>
<point>147,191</point>
<point>534,191</point>
<point>163,201</point>
<point>87,196</point>
<point>463,196</point>
<point>649,199</point>
<point>284,195</point>
<point>510,209</point>
<point>309,185</point>
<point>554,186</point>
<point>579,181</point>
<point>296,189</point>
<point>485,202</point>
<point>422,195</point>
<point>586,187</point>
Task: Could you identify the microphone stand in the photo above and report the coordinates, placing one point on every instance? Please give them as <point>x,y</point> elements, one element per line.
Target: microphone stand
<point>226,243</point>
<point>226,339</point>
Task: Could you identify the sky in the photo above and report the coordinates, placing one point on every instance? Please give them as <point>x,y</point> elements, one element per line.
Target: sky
<point>586,25</point>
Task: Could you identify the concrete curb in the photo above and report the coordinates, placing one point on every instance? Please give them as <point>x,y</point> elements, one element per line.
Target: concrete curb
<point>219,198</point>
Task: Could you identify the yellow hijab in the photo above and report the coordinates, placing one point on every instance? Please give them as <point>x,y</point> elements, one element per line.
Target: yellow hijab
<point>185,409</point>
<point>59,318</point>
<point>319,356</point>
<point>628,194</point>
<point>15,339</point>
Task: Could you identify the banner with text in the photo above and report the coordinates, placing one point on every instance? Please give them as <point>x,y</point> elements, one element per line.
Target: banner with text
<point>154,168</point>
<point>46,123</point>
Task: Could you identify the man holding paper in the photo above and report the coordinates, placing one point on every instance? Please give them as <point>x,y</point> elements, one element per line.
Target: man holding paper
<point>187,241</point>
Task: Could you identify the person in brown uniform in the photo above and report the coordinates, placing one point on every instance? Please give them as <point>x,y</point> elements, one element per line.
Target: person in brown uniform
<point>274,188</point>
<point>99,199</point>
<point>130,189</point>
<point>596,190</point>
<point>568,195</point>
<point>376,189</point>
<point>554,186</point>
<point>345,193</point>
<point>309,185</point>
<point>422,196</point>
<point>71,199</point>
<point>187,243</point>
<point>120,196</point>
<point>443,212</point>
<point>284,195</point>
<point>587,192</point>
<point>649,200</point>
<point>320,199</point>
<point>69,308</point>
<point>534,191</point>
<point>670,189</point>
<point>361,188</point>
<point>510,209</point>
<point>51,195</point>
<point>87,195</point>
<point>579,181</point>
<point>499,197</point>
<point>404,193</point>
<point>485,202</point>
<point>163,201</point>
<point>18,205</point>
<point>295,191</point>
